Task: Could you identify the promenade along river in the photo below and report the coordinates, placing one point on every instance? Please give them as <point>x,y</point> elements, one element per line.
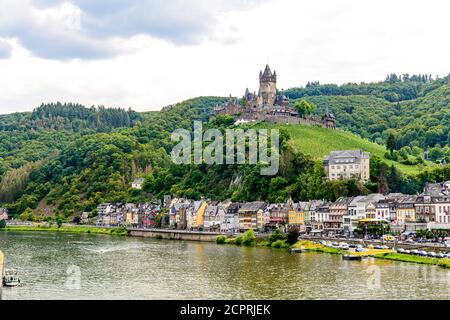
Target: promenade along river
<point>65,266</point>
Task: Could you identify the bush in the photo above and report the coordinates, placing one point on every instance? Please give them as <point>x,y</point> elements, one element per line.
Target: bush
<point>221,239</point>
<point>2,224</point>
<point>276,235</point>
<point>279,244</point>
<point>238,240</point>
<point>27,215</point>
<point>230,241</point>
<point>119,231</point>
<point>249,238</point>
<point>293,233</point>
<point>59,221</point>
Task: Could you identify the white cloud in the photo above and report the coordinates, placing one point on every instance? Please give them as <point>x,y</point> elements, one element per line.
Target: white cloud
<point>5,49</point>
<point>330,41</point>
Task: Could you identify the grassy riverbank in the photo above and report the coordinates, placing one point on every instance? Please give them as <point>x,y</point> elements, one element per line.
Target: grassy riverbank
<point>379,254</point>
<point>443,262</point>
<point>69,229</point>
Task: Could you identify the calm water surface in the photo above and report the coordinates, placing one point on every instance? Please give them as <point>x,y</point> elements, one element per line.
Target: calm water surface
<point>136,268</point>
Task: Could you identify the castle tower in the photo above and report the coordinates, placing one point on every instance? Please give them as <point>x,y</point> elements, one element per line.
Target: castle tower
<point>267,87</point>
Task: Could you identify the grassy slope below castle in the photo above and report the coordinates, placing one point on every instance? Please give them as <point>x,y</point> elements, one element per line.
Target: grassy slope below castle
<point>318,142</point>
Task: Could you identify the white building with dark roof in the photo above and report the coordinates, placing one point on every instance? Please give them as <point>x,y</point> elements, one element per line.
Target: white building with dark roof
<point>347,164</point>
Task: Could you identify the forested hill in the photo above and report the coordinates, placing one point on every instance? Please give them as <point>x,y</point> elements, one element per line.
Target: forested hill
<point>415,108</point>
<point>70,116</point>
<point>65,158</point>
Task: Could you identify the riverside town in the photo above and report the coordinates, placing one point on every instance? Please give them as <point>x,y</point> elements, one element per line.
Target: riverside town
<point>222,159</point>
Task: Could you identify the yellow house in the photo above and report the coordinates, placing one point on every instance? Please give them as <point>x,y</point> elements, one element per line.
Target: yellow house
<point>406,211</point>
<point>296,217</point>
<point>406,215</point>
<point>129,218</point>
<point>200,217</point>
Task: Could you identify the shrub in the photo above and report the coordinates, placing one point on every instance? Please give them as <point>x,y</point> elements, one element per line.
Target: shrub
<point>238,240</point>
<point>59,221</point>
<point>2,224</point>
<point>230,241</point>
<point>276,235</point>
<point>249,238</point>
<point>221,239</point>
<point>279,244</point>
<point>27,215</point>
<point>264,244</point>
<point>119,231</point>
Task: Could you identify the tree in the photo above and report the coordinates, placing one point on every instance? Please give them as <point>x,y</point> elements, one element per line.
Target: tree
<point>383,186</point>
<point>27,215</point>
<point>276,235</point>
<point>59,221</point>
<point>391,142</point>
<point>293,233</point>
<point>49,220</point>
<point>249,238</point>
<point>304,107</point>
<point>394,179</point>
<point>2,224</point>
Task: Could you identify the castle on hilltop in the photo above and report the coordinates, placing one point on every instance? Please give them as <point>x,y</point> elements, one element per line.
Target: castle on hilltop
<point>270,105</point>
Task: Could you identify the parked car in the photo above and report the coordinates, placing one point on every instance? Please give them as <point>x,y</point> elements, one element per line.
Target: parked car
<point>344,246</point>
<point>361,249</point>
<point>416,252</point>
<point>423,253</point>
<point>432,254</point>
<point>407,252</point>
<point>401,250</point>
<point>440,255</point>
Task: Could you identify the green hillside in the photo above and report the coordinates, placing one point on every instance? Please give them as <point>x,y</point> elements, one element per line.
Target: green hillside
<point>317,142</point>
<point>415,108</point>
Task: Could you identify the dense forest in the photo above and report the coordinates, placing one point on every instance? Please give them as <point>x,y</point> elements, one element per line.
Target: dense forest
<point>66,158</point>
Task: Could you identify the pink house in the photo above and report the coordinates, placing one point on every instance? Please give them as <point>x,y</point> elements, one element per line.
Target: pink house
<point>3,214</point>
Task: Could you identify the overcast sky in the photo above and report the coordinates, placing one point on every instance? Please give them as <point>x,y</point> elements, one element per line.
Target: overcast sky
<point>146,54</point>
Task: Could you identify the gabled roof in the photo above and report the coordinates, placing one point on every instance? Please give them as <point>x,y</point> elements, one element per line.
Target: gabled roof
<point>346,156</point>
<point>253,206</point>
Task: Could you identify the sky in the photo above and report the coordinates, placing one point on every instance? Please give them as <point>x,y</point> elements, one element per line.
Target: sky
<point>146,54</point>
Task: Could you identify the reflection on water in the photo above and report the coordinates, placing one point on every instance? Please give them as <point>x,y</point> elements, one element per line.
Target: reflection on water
<point>51,265</point>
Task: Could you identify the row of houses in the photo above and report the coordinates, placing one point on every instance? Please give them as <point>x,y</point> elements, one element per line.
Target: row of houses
<point>125,214</point>
<point>431,209</point>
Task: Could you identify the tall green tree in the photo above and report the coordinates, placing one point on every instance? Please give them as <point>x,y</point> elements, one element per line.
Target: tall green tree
<point>391,143</point>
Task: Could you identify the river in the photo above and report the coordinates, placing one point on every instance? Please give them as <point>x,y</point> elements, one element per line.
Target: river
<point>66,266</point>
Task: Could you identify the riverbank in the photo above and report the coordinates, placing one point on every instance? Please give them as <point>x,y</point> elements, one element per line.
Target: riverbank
<point>387,254</point>
<point>69,229</point>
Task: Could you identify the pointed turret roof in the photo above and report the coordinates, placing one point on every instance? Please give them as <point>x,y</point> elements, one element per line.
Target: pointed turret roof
<point>267,72</point>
